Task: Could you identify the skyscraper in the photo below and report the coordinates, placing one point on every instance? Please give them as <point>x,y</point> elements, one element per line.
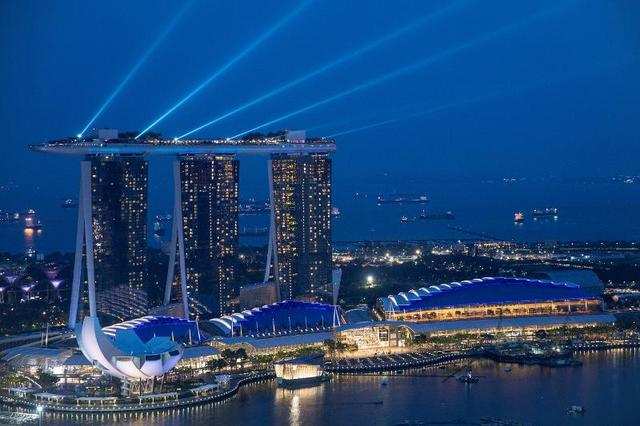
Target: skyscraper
<point>119,218</point>
<point>209,186</point>
<point>301,191</point>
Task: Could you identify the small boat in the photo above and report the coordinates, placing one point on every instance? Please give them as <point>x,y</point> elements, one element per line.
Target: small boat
<point>69,203</point>
<point>576,409</point>
<point>507,369</point>
<point>404,219</point>
<point>468,378</point>
<point>518,217</point>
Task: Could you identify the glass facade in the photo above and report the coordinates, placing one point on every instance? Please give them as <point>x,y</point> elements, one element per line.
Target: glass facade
<point>119,186</point>
<point>302,210</point>
<point>209,195</point>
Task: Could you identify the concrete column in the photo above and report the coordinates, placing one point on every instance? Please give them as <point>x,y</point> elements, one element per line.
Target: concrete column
<point>272,249</point>
<point>85,167</point>
<point>172,257</point>
<point>77,264</point>
<point>177,188</point>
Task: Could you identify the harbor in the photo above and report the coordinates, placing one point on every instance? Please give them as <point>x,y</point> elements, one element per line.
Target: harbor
<point>376,396</point>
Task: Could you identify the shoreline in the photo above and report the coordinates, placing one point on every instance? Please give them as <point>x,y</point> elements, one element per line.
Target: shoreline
<point>129,408</point>
<point>266,376</point>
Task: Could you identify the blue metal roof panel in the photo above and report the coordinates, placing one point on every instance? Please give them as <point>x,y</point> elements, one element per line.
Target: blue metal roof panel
<point>485,291</point>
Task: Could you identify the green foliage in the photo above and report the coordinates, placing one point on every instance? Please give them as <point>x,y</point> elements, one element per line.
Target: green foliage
<point>216,364</point>
<point>45,379</point>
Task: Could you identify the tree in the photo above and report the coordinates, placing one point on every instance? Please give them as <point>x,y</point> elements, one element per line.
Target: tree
<point>45,379</point>
<point>216,364</point>
<point>241,353</point>
<point>228,354</point>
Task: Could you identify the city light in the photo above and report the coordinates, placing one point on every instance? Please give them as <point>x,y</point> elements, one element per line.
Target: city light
<point>349,56</point>
<point>435,58</point>
<point>220,71</point>
<point>137,66</point>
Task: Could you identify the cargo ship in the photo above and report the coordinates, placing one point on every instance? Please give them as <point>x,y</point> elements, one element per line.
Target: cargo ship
<point>300,372</point>
<point>448,215</point>
<point>403,199</point>
<point>31,221</point>
<point>159,224</point>
<point>251,207</point>
<point>254,231</point>
<point>549,212</point>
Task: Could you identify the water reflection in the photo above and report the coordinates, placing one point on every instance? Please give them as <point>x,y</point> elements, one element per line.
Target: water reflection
<point>607,385</point>
<point>295,399</point>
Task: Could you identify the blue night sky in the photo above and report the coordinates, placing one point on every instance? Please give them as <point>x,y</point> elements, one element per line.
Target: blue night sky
<point>557,94</point>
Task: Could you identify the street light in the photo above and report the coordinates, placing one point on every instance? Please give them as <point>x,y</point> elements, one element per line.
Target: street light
<point>39,410</point>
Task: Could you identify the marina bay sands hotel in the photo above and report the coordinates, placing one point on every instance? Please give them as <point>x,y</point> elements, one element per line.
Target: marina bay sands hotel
<point>111,234</point>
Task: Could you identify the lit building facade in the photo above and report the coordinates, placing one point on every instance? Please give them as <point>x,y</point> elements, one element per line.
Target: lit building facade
<point>209,187</point>
<point>119,203</point>
<point>111,226</point>
<point>375,336</point>
<point>301,191</point>
<point>489,297</point>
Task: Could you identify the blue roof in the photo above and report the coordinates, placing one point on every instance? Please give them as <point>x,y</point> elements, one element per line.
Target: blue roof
<point>150,326</point>
<point>289,316</point>
<point>129,342</point>
<point>483,291</point>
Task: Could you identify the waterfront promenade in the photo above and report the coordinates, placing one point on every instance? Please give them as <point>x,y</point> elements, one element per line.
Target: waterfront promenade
<point>345,366</point>
<point>185,401</point>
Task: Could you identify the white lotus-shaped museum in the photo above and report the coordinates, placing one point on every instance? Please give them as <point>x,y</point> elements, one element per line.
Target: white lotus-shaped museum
<point>125,355</point>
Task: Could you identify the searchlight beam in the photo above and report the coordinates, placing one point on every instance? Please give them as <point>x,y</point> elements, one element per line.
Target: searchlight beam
<point>136,67</point>
<point>251,47</point>
<point>433,110</point>
<point>413,26</point>
<point>405,70</point>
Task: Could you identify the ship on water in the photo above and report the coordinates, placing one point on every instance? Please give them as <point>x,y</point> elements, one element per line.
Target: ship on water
<point>403,199</point>
<point>300,372</point>
<point>518,217</point>
<point>160,223</point>
<point>253,207</point>
<point>448,215</point>
<point>548,212</point>
<point>69,203</point>
<point>254,231</point>
<point>31,221</point>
